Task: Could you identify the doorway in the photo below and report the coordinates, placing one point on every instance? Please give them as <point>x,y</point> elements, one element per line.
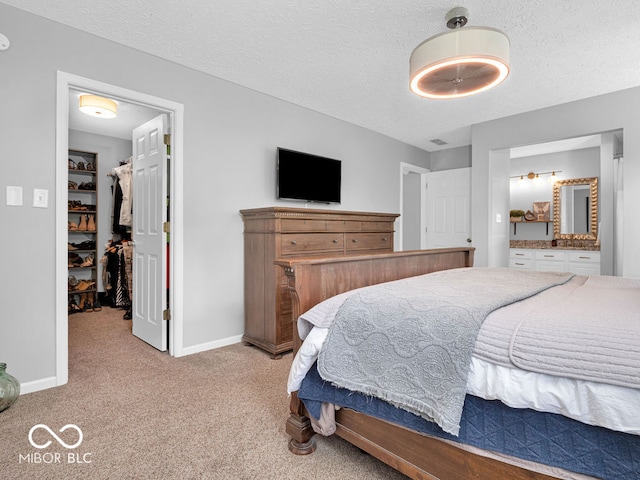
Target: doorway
<point>412,220</point>
<point>174,112</point>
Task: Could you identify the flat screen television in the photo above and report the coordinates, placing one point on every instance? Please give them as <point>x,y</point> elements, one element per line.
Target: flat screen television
<point>306,177</point>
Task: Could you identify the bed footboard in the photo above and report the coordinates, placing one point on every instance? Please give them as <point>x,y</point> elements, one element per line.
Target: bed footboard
<point>312,280</point>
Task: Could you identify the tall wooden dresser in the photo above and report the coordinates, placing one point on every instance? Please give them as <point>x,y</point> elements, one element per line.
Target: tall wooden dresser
<point>280,232</point>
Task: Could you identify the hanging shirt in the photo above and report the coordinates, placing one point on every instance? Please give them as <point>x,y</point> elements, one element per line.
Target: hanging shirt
<point>124,173</point>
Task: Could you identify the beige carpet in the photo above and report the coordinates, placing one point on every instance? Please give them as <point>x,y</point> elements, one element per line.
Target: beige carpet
<point>145,415</point>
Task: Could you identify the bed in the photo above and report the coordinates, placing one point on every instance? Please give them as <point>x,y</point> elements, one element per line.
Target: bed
<point>421,453</point>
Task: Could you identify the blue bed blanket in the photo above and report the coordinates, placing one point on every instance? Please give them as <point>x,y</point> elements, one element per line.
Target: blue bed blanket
<point>545,438</point>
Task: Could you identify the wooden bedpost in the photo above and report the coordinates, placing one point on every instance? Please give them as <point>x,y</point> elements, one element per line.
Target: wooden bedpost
<point>298,424</point>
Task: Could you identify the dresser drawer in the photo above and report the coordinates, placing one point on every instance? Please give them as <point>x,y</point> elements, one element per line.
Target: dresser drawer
<point>377,227</point>
<point>309,243</point>
<point>369,241</point>
<point>291,225</point>
<point>344,226</point>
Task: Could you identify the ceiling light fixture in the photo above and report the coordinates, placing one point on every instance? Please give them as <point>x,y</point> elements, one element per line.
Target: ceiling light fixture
<point>461,62</point>
<point>98,106</point>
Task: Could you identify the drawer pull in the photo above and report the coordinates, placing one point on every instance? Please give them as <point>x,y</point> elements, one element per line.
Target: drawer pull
<point>549,256</point>
<point>384,239</point>
<point>335,241</point>
<point>586,258</point>
<point>519,263</point>
<point>519,254</point>
<point>293,242</point>
<point>354,240</point>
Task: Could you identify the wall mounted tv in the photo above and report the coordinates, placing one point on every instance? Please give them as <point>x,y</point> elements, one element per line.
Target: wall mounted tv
<point>306,177</point>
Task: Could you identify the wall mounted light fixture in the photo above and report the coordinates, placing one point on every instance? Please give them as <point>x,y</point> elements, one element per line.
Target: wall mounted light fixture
<point>553,177</point>
<point>98,106</point>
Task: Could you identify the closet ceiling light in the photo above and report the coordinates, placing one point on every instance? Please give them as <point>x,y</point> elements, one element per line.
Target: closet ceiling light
<point>461,62</point>
<point>98,106</point>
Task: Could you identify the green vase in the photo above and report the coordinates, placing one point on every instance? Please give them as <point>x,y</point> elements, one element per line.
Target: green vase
<point>9,388</point>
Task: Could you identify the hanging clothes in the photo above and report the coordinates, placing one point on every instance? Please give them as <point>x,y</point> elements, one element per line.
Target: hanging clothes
<point>117,285</point>
<point>117,207</point>
<point>124,173</point>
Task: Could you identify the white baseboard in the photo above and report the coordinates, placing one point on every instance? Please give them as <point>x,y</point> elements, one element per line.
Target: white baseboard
<point>37,385</point>
<point>210,345</point>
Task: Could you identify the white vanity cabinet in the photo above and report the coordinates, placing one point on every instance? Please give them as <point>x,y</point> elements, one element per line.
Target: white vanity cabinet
<point>550,260</point>
<point>582,262</point>
<point>521,258</point>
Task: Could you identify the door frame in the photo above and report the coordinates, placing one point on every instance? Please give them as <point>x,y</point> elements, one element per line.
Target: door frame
<point>175,111</point>
<point>406,168</point>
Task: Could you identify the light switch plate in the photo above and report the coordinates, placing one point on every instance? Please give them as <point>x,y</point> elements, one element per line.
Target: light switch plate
<point>14,196</point>
<point>40,198</point>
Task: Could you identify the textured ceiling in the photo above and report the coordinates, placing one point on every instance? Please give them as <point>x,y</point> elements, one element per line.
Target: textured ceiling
<point>350,59</point>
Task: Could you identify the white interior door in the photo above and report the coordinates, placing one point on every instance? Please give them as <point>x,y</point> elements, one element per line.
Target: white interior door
<point>149,215</point>
<point>448,208</point>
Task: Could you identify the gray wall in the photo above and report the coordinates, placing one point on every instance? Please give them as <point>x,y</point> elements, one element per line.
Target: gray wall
<point>452,158</point>
<point>230,138</point>
<point>490,141</point>
<point>411,211</point>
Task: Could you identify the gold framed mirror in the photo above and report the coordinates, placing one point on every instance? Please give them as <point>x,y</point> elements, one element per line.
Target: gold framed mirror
<point>575,209</point>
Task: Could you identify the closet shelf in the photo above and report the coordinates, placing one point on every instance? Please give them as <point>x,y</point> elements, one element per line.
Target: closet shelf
<point>76,171</point>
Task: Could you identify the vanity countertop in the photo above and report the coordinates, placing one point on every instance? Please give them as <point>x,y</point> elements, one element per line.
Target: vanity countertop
<point>562,245</point>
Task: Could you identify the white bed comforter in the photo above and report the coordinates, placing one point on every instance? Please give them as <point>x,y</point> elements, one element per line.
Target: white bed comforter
<point>595,403</point>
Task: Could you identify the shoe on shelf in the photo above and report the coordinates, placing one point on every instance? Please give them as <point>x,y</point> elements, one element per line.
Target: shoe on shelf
<point>91,223</point>
<point>72,226</point>
<point>71,246</point>
<point>85,285</point>
<point>83,223</point>
<point>75,260</point>
<point>88,261</point>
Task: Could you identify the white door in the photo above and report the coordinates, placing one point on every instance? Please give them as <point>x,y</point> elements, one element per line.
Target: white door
<point>149,250</point>
<point>448,208</point>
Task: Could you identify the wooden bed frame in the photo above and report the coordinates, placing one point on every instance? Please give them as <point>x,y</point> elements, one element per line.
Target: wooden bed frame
<point>311,280</point>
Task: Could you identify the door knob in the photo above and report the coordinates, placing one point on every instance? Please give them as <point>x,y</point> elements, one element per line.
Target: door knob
<point>468,240</point>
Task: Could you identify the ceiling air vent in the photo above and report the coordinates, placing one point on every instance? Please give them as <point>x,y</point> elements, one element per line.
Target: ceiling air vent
<point>438,142</point>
